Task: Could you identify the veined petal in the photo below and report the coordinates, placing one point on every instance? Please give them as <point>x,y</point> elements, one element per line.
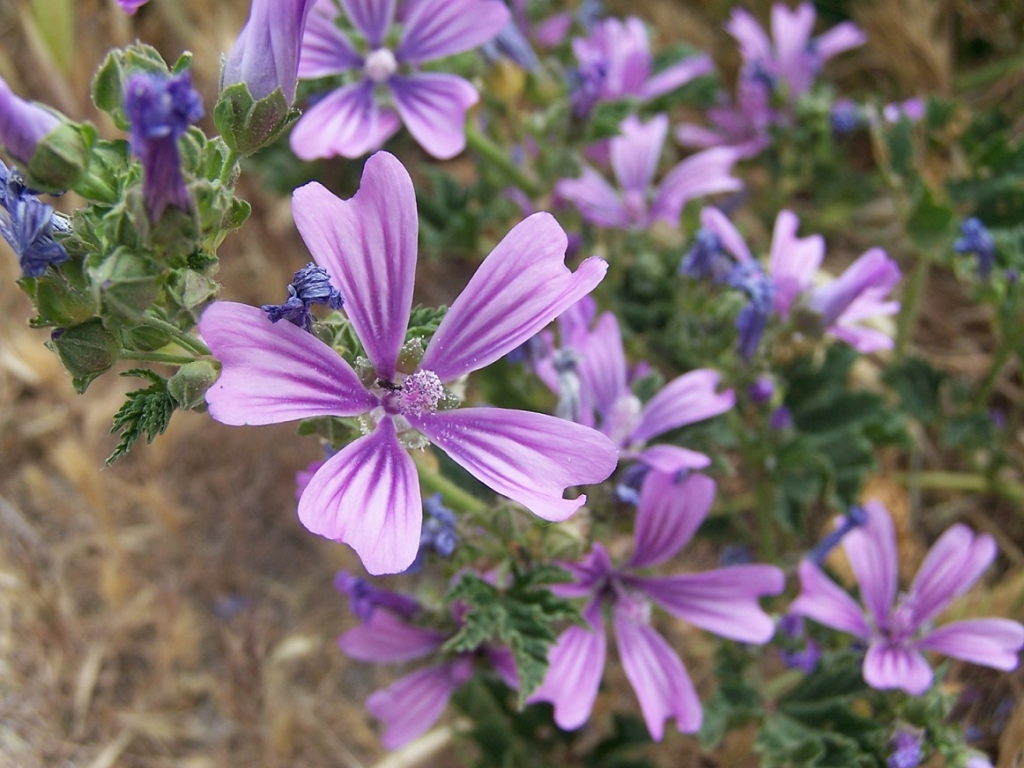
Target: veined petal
<point>871,549</point>
<point>748,32</point>
<point>368,246</point>
<point>635,152</point>
<point>723,601</point>
<point>668,515</point>
<point>670,459</point>
<point>597,200</point>
<point>793,262</point>
<point>386,638</point>
<point>368,496</point>
<point>275,372</point>
<point>411,704</point>
<point>842,37</point>
<point>824,601</point>
<point>684,400</point>
<point>864,340</point>
<point>529,457</point>
<point>952,565</point>
<point>699,136</point>
<point>602,370</point>
<point>658,678</point>
<point>791,30</point>
<point>990,642</point>
<point>677,75</point>
<point>522,286</point>
<point>371,17</point>
<point>325,48</point>
<point>347,122</point>
<point>887,666</point>
<point>704,173</point>
<point>437,28</point>
<point>717,222</point>
<point>433,107</point>
<point>576,664</point>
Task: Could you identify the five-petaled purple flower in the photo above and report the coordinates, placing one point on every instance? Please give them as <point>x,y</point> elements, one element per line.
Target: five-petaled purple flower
<point>160,109</point>
<point>28,224</point>
<point>898,625</point>
<point>723,601</point>
<point>615,62</point>
<point>413,703</point>
<point>22,124</point>
<point>360,116</point>
<point>634,159</point>
<point>368,495</point>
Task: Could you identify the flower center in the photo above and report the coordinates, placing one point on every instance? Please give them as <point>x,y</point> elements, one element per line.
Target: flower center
<point>622,419</point>
<point>900,625</point>
<point>380,65</point>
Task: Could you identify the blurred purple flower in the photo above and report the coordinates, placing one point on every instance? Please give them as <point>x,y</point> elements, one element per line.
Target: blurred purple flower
<point>906,749</point>
<point>28,224</point>
<point>975,238</point>
<point>266,54</point>
<point>364,598</point>
<point>368,494</point>
<point>762,390</point>
<point>160,109</point>
<point>615,62</point>
<point>634,159</point>
<point>413,703</point>
<point>898,626</point>
<point>606,398</point>
<point>22,124</point>
<point>351,121</point>
<point>722,601</point>
<point>131,6</point>
<point>748,277</point>
<point>799,652</point>
<point>912,109</point>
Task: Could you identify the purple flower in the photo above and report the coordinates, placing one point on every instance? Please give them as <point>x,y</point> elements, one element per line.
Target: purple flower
<point>266,54</point>
<point>131,6</point>
<point>615,62</point>
<point>310,285</point>
<point>898,626</point>
<point>364,598</point>
<point>440,532</point>
<point>912,109</point>
<point>22,124</point>
<point>389,89</point>
<point>160,110</point>
<point>368,494</point>
<point>906,749</point>
<point>634,159</point>
<point>413,703</point>
<point>748,277</point>
<point>723,601</point>
<point>800,652</point>
<point>975,238</point>
<point>28,225</point>
<point>762,390</point>
<point>606,398</point>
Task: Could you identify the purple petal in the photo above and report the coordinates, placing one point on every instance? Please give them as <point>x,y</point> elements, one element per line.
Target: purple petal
<point>792,30</point>
<point>522,286</point>
<point>529,457</point>
<point>266,54</point>
<point>824,601</point>
<point>371,17</point>
<point>684,400</point>
<point>368,496</point>
<point>325,48</point>
<point>23,124</point>
<point>635,152</point>
<point>668,515</point>
<point>722,601</point>
<point>658,678</point>
<point>347,122</point>
<point>504,664</point>
<point>950,568</point>
<point>717,222</point>
<point>671,459</point>
<point>275,372</point>
<point>437,28</point>
<point>864,340</point>
<point>871,549</point>
<point>887,666</point>
<point>748,32</point>
<point>433,107</point>
<point>602,370</point>
<point>842,37</point>
<point>676,75</point>
<point>386,638</point>
<point>699,136</point>
<point>368,246</point>
<point>411,704</point>
<point>871,276</point>
<point>596,199</point>
<point>576,664</point>
<point>705,173</point>
<point>793,262</point>
<point>989,642</point>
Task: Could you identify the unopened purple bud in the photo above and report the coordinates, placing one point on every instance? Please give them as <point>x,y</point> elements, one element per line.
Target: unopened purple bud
<point>705,259</point>
<point>364,598</point>
<point>845,116</point>
<point>855,519</point>
<point>975,238</point>
<point>753,318</point>
<point>160,109</point>
<point>781,419</point>
<point>805,659</point>
<point>761,391</point>
<point>266,54</point>
<point>735,554</point>
<point>906,749</point>
<point>511,44</point>
<point>439,531</point>
<point>22,124</point>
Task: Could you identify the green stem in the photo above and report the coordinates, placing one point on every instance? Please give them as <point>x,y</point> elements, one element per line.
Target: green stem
<point>1001,357</point>
<point>964,481</point>
<point>186,340</point>
<point>227,172</point>
<point>966,81</point>
<point>157,357</point>
<point>497,157</point>
<point>911,304</point>
<point>434,482</point>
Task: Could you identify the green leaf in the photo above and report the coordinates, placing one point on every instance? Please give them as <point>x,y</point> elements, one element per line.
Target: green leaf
<point>523,616</point>
<point>146,411</point>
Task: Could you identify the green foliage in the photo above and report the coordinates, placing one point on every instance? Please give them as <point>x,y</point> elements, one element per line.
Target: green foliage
<point>735,703</point>
<point>523,616</point>
<point>145,411</point>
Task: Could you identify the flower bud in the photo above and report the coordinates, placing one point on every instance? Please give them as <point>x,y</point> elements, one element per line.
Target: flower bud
<point>22,124</point>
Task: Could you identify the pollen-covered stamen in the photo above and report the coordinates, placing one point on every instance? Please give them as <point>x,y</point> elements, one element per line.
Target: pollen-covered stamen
<point>421,392</point>
<point>380,65</point>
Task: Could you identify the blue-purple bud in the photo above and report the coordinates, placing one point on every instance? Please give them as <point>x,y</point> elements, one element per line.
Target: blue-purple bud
<point>975,238</point>
<point>439,531</point>
<point>705,259</point>
<point>845,116</point>
<point>364,598</point>
<point>753,319</point>
<point>513,45</point>
<point>856,518</point>
<point>906,749</point>
<point>160,109</point>
<point>781,419</point>
<point>761,391</point>
<point>23,124</point>
<point>28,225</point>
<point>310,285</point>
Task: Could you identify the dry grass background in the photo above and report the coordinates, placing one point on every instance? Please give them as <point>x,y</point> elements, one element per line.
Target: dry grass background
<point>170,610</point>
